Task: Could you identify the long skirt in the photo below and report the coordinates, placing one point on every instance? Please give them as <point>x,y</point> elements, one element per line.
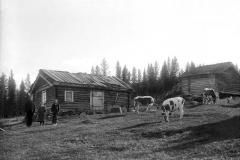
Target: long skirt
<point>54,119</point>
<point>29,118</point>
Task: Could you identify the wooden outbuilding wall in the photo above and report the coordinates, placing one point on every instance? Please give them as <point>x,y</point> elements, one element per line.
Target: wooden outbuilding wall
<point>228,81</point>
<point>81,96</point>
<point>195,85</point>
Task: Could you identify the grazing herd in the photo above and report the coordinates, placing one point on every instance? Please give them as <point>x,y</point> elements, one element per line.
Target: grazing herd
<point>170,105</point>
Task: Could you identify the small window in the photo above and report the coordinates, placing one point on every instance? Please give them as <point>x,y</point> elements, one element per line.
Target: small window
<point>44,97</point>
<point>69,96</point>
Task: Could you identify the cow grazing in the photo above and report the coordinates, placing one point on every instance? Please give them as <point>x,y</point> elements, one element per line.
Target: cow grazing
<point>209,96</point>
<point>171,105</point>
<point>143,100</point>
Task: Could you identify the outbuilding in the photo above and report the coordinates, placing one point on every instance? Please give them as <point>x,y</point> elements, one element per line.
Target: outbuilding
<point>79,90</point>
<point>222,77</point>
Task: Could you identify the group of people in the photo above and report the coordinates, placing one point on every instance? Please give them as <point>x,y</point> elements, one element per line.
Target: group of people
<point>30,111</point>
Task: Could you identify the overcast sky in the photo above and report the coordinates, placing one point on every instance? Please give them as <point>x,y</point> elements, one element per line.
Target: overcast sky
<point>74,35</point>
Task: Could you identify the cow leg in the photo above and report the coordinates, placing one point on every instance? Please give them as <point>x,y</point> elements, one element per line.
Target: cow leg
<point>149,106</point>
<point>167,116</point>
<point>137,108</point>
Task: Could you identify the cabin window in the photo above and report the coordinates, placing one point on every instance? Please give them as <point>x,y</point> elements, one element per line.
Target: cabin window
<point>44,97</point>
<point>69,96</point>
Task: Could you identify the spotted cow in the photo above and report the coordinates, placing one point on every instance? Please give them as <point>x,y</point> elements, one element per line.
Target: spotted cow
<point>209,96</point>
<point>172,104</point>
<point>142,100</point>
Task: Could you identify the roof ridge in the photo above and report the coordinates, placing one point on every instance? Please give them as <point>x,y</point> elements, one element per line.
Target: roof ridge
<point>208,69</point>
<point>215,64</point>
<point>54,70</point>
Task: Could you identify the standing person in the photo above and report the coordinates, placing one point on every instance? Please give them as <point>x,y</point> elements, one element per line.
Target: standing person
<point>30,110</point>
<point>41,114</point>
<point>55,109</point>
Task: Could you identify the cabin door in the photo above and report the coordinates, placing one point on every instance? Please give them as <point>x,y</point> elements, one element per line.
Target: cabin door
<point>97,100</point>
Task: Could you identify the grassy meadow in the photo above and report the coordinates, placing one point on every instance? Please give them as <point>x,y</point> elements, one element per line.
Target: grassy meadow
<point>205,132</point>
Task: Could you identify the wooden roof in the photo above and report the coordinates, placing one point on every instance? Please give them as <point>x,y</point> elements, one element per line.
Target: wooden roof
<point>80,80</point>
<point>209,69</point>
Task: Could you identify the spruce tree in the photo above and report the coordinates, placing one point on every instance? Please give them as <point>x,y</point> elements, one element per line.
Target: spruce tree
<point>27,85</point>
<point>118,70</point>
<point>151,80</point>
<point>129,77</point>
<point>192,66</point>
<point>169,65</point>
<point>124,74</point>
<point>139,80</point>
<point>97,70</point>
<point>17,105</point>
<point>144,83</point>
<point>11,95</point>
<point>134,76</point>
<point>139,77</point>
<point>104,67</point>
<point>3,94</point>
<point>174,71</point>
<point>165,77</point>
<point>92,71</point>
<point>22,98</point>
<point>156,70</point>
<point>187,67</point>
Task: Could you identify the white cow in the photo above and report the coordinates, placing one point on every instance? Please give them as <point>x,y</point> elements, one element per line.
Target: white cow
<point>171,105</point>
<point>143,100</point>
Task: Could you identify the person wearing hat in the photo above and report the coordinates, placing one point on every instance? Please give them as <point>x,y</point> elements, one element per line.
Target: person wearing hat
<point>55,109</point>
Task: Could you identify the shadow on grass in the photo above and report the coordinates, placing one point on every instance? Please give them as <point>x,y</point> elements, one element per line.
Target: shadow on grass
<point>231,106</point>
<point>45,130</point>
<point>204,134</point>
<point>139,125</point>
<point>113,116</point>
<point>191,115</point>
<point>11,124</point>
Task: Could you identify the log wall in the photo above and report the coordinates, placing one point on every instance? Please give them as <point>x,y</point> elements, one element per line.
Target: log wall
<point>228,81</point>
<point>110,98</point>
<point>81,97</point>
<point>50,97</point>
<point>195,85</point>
<point>185,85</point>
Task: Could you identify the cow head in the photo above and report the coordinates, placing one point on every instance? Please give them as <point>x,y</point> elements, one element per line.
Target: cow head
<point>166,115</point>
<point>166,112</point>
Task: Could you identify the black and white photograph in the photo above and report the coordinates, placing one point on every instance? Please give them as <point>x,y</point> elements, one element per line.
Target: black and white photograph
<point>119,79</point>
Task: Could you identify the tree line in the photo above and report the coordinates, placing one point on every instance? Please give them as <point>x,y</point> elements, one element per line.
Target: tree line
<point>12,100</point>
<point>154,80</point>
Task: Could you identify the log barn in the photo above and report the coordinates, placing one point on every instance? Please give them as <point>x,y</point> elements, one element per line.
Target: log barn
<point>79,90</point>
<point>222,77</point>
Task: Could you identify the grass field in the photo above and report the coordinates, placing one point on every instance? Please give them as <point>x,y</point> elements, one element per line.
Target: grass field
<point>205,132</point>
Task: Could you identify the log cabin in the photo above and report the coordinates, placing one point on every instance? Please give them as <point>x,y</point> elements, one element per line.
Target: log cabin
<point>222,77</point>
<point>79,91</point>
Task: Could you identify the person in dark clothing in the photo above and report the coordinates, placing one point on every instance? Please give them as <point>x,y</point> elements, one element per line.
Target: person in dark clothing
<point>29,110</point>
<point>55,109</point>
<point>41,114</point>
